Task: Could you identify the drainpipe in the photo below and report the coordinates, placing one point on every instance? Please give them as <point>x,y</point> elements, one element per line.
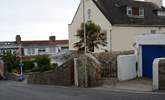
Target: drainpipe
<point>110,40</point>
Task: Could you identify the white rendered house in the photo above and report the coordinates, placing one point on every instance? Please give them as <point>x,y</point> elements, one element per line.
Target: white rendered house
<point>121,19</point>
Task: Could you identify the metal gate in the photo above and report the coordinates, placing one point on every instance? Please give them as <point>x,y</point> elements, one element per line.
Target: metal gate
<point>108,69</point>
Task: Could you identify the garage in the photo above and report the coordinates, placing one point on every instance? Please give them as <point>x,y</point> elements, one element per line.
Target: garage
<point>149,47</point>
<point>149,53</point>
<point>151,58</point>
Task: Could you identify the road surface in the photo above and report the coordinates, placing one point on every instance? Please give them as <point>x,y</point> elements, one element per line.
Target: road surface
<point>10,90</point>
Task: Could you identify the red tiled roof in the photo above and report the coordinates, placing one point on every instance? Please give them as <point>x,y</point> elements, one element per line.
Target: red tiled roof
<point>44,42</point>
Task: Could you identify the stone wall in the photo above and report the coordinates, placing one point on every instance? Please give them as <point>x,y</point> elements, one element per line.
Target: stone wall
<point>161,75</point>
<point>92,73</point>
<point>62,75</point>
<point>12,76</point>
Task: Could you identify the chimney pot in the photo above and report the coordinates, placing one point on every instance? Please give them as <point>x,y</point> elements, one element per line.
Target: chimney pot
<point>52,38</point>
<point>18,39</point>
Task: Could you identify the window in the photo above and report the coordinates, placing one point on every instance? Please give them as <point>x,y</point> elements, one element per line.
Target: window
<point>141,12</point>
<point>129,11</point>
<point>31,51</point>
<point>135,12</point>
<point>89,14</point>
<point>52,50</point>
<point>41,50</point>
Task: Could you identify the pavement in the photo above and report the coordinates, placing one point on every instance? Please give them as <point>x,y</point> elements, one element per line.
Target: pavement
<point>135,85</point>
<point>10,90</point>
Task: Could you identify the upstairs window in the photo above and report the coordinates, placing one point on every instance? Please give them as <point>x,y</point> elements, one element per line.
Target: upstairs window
<point>41,50</point>
<point>31,51</point>
<point>141,12</point>
<point>135,12</point>
<point>89,14</point>
<point>129,11</point>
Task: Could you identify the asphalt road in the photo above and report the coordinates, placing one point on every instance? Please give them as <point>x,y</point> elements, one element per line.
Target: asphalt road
<point>20,91</point>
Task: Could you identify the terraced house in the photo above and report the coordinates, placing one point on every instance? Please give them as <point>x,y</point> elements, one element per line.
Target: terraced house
<point>34,47</point>
<point>122,20</point>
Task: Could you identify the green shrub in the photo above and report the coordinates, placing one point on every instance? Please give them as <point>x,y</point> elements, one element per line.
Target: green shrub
<point>43,62</point>
<point>28,65</point>
<point>10,61</point>
<point>54,65</point>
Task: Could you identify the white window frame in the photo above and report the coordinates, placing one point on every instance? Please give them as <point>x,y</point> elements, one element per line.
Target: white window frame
<point>29,51</point>
<point>32,51</point>
<point>129,9</point>
<point>141,12</point>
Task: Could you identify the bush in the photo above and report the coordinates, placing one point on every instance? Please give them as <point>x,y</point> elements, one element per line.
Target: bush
<point>10,61</point>
<point>43,62</point>
<point>54,65</point>
<point>28,65</point>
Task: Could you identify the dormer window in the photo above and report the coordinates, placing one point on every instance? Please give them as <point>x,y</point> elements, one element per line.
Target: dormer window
<point>129,11</point>
<point>135,12</point>
<point>161,13</point>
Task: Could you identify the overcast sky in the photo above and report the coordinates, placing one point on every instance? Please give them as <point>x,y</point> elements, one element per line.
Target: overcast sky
<point>36,19</point>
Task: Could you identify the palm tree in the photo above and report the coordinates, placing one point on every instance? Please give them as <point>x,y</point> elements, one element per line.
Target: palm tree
<point>94,37</point>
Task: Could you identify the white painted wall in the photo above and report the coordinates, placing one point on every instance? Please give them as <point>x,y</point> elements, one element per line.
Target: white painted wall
<point>96,16</point>
<point>151,39</point>
<point>126,65</point>
<point>124,37</point>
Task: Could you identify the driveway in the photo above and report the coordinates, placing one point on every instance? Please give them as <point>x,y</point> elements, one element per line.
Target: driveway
<point>10,90</point>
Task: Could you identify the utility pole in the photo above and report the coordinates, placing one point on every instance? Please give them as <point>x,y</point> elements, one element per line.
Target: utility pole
<point>85,49</point>
<point>19,54</point>
<point>21,64</point>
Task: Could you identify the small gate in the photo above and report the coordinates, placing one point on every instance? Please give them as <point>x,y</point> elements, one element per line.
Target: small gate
<point>108,70</point>
<point>162,75</point>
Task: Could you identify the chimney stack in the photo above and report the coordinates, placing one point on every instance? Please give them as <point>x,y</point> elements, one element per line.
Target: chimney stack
<point>159,3</point>
<point>18,39</point>
<point>52,38</point>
